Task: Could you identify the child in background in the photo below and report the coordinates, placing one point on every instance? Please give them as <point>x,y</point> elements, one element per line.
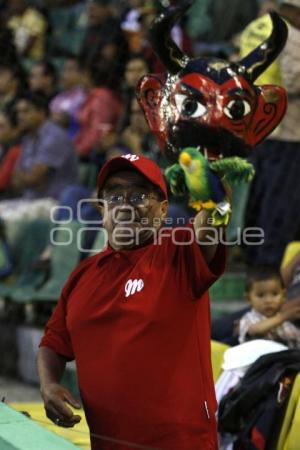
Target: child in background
<point>266,293</point>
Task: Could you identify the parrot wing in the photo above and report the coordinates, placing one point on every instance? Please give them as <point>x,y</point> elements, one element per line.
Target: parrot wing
<point>233,170</point>
<point>176,179</point>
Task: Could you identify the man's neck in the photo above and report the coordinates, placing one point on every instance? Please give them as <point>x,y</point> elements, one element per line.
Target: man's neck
<point>118,247</point>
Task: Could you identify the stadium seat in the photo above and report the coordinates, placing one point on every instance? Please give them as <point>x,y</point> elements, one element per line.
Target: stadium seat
<point>65,256</point>
<point>217,351</point>
<point>227,294</point>
<point>26,243</point>
<point>68,30</point>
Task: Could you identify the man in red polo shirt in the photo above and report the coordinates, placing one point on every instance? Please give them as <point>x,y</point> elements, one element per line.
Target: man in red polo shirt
<point>136,319</point>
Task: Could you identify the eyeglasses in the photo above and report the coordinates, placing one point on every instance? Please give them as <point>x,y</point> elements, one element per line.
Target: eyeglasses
<point>135,199</point>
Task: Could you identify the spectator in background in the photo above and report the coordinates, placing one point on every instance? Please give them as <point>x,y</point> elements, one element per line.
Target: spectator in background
<point>104,36</point>
<point>266,293</point>
<point>29,28</point>
<point>219,20</point>
<point>102,109</point>
<point>291,275</point>
<point>12,83</point>
<point>10,149</point>
<point>8,53</point>
<point>136,25</point>
<point>136,137</point>
<point>48,163</point>
<point>43,78</point>
<point>135,69</point>
<point>65,106</point>
<point>290,271</point>
<point>226,329</point>
<point>275,192</point>
<point>67,23</point>
<point>132,27</point>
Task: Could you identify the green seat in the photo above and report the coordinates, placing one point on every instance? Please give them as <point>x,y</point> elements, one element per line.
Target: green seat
<point>68,30</point>
<point>31,240</point>
<point>64,260</point>
<point>27,240</point>
<point>227,294</point>
<point>65,256</point>
<point>26,286</point>
<point>230,286</point>
<point>88,173</point>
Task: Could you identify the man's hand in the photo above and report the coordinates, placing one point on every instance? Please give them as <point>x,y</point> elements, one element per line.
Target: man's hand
<point>56,398</point>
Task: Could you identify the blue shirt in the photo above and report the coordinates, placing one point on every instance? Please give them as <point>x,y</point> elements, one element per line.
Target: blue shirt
<point>51,146</point>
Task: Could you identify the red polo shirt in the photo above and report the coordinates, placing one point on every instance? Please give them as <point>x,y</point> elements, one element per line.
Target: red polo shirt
<point>138,324</point>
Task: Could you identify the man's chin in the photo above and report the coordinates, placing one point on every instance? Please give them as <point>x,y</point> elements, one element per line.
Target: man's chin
<point>126,229</point>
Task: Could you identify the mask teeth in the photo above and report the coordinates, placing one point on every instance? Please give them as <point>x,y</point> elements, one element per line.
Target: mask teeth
<point>205,153</point>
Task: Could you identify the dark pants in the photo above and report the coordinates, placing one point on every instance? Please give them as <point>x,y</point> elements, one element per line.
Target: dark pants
<point>274,200</point>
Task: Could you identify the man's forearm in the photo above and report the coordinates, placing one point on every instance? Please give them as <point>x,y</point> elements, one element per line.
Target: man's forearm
<point>50,366</point>
<point>207,235</point>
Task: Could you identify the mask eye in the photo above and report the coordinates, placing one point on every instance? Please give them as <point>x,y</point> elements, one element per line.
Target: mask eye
<point>189,107</point>
<point>237,109</point>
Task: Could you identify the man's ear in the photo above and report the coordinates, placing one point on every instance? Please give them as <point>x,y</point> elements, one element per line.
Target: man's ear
<point>100,207</point>
<point>164,209</point>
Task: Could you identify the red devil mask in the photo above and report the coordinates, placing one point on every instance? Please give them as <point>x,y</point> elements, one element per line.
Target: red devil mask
<point>207,102</point>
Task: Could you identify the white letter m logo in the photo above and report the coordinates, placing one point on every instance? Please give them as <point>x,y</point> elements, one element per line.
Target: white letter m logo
<point>131,157</point>
<point>133,286</point>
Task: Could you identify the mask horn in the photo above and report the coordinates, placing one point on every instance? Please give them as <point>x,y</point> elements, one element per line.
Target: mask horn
<point>262,57</point>
<point>160,36</point>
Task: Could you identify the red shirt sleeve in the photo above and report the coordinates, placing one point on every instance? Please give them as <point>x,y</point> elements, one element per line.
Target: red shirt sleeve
<point>191,265</point>
<point>56,334</point>
<point>8,165</point>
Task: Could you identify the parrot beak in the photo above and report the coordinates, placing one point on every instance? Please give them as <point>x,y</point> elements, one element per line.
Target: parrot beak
<point>185,159</point>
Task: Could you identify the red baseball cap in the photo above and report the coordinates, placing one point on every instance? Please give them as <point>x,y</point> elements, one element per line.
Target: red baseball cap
<point>148,168</point>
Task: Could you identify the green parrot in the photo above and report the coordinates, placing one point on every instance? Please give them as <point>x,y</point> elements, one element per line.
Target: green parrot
<point>204,180</point>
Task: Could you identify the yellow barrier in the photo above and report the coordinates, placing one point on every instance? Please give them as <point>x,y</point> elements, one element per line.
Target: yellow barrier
<point>79,435</point>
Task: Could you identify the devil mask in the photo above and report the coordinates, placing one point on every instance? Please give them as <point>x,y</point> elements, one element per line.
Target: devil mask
<point>210,103</point>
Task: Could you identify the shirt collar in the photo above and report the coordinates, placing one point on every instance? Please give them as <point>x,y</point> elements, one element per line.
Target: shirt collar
<point>130,255</point>
<point>105,253</point>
